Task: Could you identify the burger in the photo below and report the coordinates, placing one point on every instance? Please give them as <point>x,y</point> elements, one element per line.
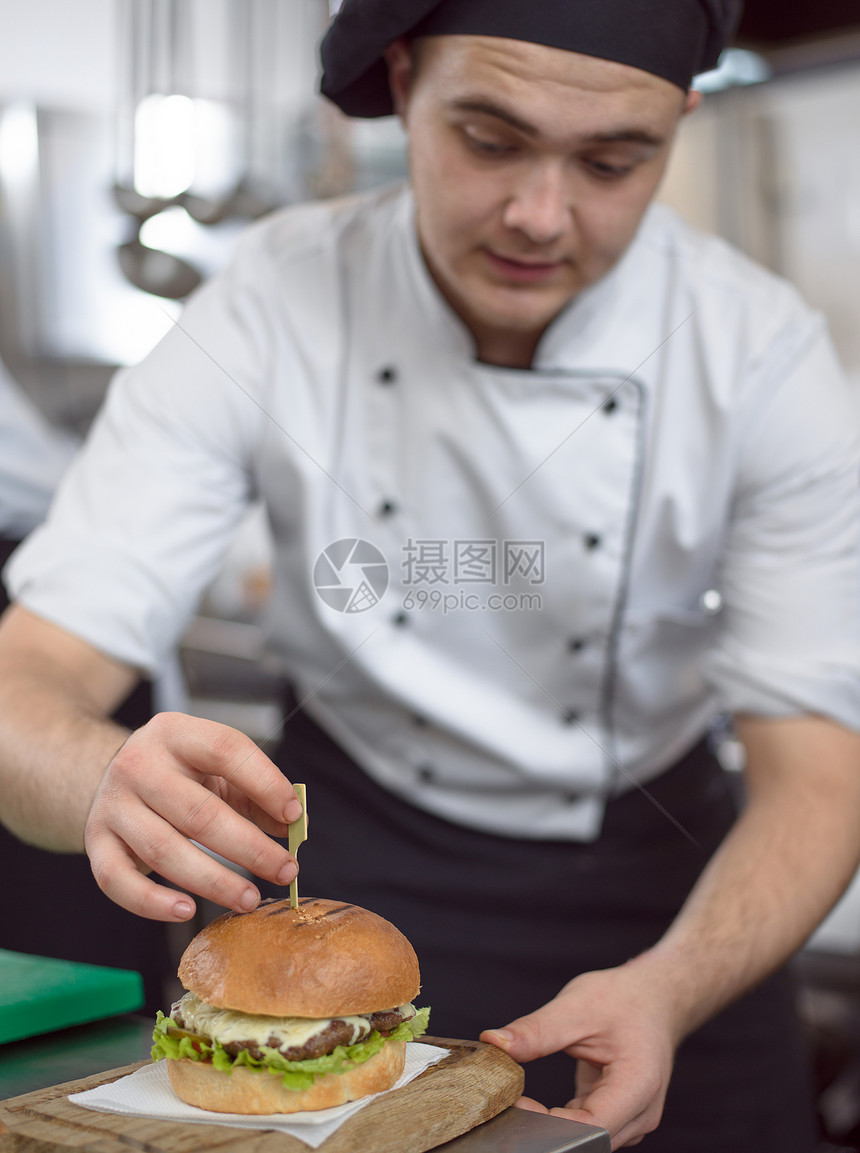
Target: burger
<point>290,1009</point>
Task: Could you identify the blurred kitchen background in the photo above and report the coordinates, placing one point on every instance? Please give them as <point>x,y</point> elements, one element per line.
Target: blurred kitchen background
<point>137,139</point>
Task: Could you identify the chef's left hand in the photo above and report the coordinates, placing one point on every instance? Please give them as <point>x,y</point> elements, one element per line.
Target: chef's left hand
<point>618,1025</point>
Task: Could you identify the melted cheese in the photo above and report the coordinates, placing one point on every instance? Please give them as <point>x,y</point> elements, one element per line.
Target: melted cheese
<point>228,1025</point>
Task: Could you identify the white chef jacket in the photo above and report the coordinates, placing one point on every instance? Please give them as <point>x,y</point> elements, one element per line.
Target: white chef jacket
<point>675,482</point>
<point>33,457</point>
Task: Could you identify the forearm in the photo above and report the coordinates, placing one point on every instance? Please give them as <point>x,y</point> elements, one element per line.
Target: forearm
<point>55,738</point>
<point>52,759</point>
<point>783,866</point>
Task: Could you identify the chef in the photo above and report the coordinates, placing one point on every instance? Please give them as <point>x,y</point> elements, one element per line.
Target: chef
<point>553,482</point>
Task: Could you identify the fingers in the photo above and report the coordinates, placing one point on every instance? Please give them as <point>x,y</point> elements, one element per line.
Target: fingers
<point>156,842</point>
<point>177,780</point>
<point>545,1031</point>
<point>151,773</point>
<point>117,875</point>
<point>203,816</point>
<point>206,747</point>
<point>626,1103</point>
<point>628,1108</point>
<point>530,1105</point>
<point>628,1135</point>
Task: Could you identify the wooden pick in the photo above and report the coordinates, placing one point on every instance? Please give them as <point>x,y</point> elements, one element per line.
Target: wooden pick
<point>298,834</point>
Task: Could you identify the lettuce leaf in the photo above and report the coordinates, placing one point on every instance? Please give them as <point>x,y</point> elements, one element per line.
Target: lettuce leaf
<point>297,1075</point>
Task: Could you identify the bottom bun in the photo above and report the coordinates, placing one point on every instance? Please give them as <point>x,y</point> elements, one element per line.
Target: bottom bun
<point>247,1090</point>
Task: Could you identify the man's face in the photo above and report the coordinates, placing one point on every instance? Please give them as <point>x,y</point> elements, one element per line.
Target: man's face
<point>532,168</point>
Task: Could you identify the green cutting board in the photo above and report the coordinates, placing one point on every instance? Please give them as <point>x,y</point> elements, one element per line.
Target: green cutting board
<point>41,994</point>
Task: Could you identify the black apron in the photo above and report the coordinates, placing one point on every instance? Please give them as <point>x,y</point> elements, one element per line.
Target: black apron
<point>499,925</point>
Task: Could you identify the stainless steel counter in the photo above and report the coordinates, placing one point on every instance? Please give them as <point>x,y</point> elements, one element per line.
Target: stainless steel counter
<point>68,1054</point>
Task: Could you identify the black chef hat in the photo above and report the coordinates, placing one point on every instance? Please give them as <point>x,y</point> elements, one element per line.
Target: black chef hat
<point>675,39</point>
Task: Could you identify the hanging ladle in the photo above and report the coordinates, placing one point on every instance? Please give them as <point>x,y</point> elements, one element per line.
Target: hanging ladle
<point>158,273</point>
<point>137,52</point>
<point>242,201</point>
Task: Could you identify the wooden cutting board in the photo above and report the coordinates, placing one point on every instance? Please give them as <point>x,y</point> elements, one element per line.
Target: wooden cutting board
<point>472,1084</point>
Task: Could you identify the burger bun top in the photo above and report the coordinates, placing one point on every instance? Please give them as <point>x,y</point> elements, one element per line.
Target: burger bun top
<point>322,959</point>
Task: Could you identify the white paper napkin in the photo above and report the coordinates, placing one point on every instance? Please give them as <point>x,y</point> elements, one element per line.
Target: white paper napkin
<point>148,1093</point>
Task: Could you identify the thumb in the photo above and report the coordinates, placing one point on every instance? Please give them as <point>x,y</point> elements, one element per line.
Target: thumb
<point>535,1035</point>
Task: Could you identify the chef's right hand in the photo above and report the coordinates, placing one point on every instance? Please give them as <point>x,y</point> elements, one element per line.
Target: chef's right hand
<point>180,779</point>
